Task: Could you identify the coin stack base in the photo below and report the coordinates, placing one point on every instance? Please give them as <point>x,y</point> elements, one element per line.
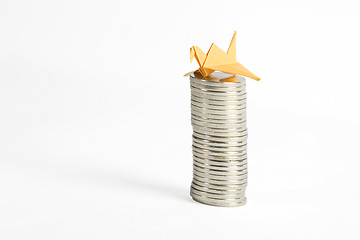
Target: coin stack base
<point>218,117</point>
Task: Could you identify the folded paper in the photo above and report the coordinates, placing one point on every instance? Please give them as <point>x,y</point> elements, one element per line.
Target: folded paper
<point>217,60</point>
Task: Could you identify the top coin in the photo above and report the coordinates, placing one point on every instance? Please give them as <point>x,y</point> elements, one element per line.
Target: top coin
<point>217,77</point>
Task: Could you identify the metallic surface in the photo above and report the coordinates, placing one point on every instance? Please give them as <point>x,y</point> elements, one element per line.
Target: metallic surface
<point>218,117</point>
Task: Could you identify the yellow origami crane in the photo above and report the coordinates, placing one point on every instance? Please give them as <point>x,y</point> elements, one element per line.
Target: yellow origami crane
<point>217,60</point>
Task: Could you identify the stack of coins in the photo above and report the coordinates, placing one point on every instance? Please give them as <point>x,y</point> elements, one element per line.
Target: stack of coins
<point>218,117</point>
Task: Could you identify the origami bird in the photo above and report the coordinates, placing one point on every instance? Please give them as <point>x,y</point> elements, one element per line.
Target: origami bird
<point>217,60</point>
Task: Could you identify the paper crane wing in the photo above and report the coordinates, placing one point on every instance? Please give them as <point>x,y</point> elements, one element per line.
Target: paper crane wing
<point>198,54</point>
<point>232,48</point>
<point>216,56</point>
<point>236,69</point>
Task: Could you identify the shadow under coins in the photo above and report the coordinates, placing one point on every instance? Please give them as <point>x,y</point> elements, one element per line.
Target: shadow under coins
<point>133,183</point>
<point>122,180</point>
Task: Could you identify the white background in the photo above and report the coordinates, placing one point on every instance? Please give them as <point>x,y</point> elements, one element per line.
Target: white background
<point>95,134</point>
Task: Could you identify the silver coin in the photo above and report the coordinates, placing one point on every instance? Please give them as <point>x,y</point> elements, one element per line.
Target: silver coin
<point>211,133</point>
<point>224,187</point>
<point>228,92</point>
<point>215,172</point>
<point>228,159</point>
<point>218,98</point>
<point>225,103</point>
<point>217,203</point>
<point>218,191</point>
<point>208,153</point>
<point>226,112</point>
<point>210,125</point>
<point>223,196</point>
<point>220,161</point>
<point>208,119</point>
<point>219,142</point>
<point>242,136</point>
<point>220,166</point>
<point>221,177</point>
<point>207,114</point>
<point>217,83</point>
<point>220,181</point>
<point>220,149</point>
<point>219,76</point>
<point>219,128</point>
<point>240,105</point>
